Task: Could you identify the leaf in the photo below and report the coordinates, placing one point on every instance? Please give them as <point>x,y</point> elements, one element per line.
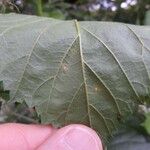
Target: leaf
<point>130,140</point>
<point>92,73</point>
<point>147,18</point>
<point>146,123</point>
<point>56,14</point>
<point>4,94</point>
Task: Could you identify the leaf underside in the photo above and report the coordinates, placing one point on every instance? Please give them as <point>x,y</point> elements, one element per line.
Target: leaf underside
<point>75,72</point>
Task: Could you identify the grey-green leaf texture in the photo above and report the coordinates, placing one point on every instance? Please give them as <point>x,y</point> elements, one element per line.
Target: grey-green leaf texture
<point>75,72</point>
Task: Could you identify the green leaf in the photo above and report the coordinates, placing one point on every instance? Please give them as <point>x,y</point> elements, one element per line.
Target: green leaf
<point>56,14</point>
<point>4,94</point>
<point>92,73</point>
<point>146,123</point>
<point>147,18</point>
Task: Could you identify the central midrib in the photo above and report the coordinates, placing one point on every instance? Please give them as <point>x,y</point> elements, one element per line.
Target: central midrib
<point>83,70</point>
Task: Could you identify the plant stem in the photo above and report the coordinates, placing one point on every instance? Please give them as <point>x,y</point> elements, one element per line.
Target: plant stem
<point>39,7</point>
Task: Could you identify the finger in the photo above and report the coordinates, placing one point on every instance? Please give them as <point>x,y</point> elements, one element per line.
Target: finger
<point>23,137</point>
<point>73,137</point>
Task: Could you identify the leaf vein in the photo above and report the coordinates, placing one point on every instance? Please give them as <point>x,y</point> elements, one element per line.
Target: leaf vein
<point>59,67</point>
<point>142,46</point>
<point>83,70</point>
<point>105,87</point>
<point>103,118</point>
<point>29,56</point>
<point>116,61</point>
<point>77,91</point>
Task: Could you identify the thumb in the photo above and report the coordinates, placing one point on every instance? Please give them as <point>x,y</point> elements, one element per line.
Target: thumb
<point>73,137</point>
<point>23,137</point>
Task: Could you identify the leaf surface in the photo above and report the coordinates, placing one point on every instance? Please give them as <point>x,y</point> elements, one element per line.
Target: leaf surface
<point>75,72</point>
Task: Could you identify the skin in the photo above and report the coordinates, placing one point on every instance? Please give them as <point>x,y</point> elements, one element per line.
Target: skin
<point>15,136</point>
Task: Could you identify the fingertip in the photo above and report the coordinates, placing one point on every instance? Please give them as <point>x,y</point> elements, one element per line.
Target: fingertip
<point>74,137</point>
<point>81,137</point>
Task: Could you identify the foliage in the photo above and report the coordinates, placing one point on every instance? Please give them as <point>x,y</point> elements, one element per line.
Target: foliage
<point>135,12</point>
<point>75,72</point>
<point>134,133</point>
<point>129,140</point>
<point>4,94</point>
<point>147,19</point>
<point>146,123</point>
<point>128,11</point>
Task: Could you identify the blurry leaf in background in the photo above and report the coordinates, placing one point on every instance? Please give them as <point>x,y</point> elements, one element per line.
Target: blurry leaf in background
<point>127,11</point>
<point>57,14</point>
<point>129,140</point>
<point>146,123</point>
<point>147,18</point>
<point>4,94</point>
<point>131,135</point>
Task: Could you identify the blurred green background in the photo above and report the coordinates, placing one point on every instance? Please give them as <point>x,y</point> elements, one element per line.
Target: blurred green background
<point>128,11</point>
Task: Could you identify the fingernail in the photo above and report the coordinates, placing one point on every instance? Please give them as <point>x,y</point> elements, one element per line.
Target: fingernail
<point>81,138</point>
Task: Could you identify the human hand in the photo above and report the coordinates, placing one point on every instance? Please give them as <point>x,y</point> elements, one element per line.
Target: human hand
<point>40,137</point>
